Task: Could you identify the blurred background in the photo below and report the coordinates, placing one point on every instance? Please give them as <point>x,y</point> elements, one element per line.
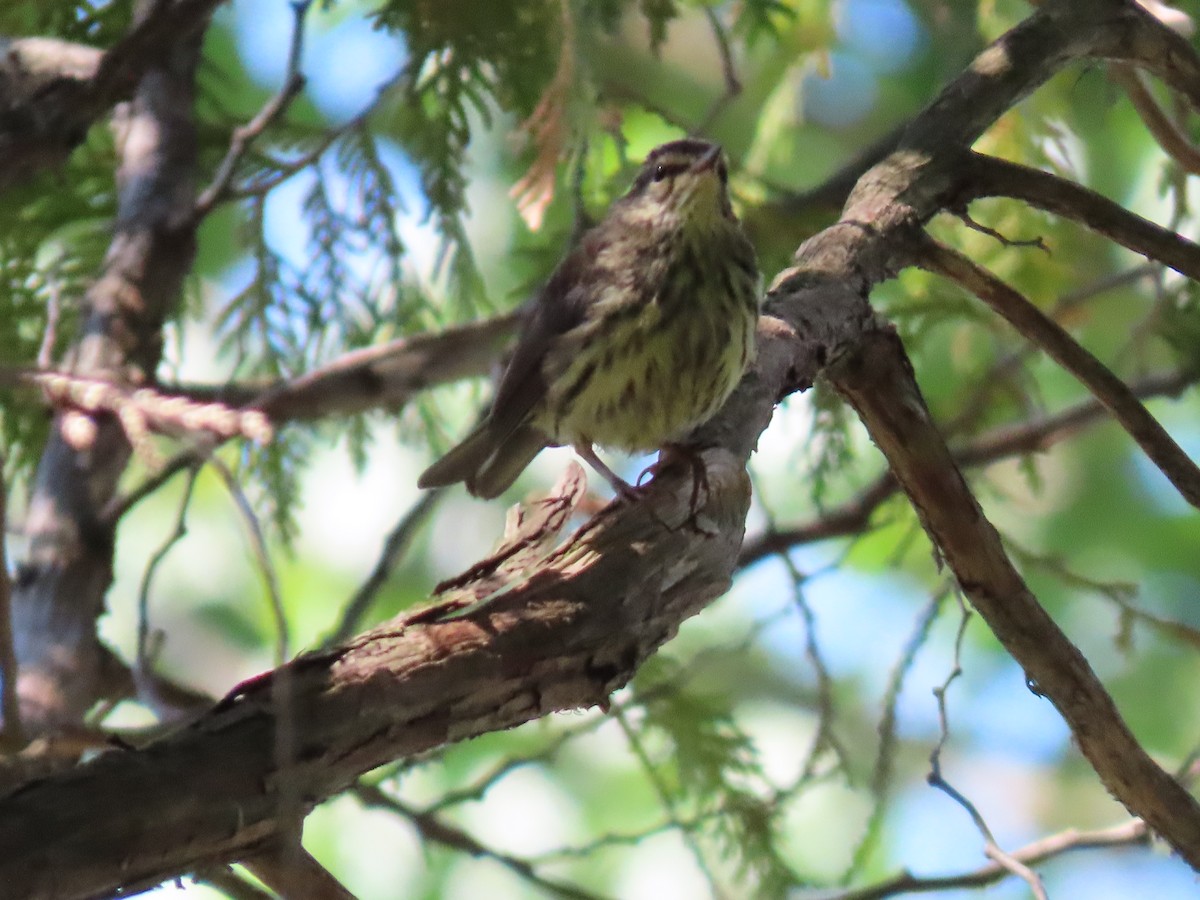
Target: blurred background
<point>431,173</point>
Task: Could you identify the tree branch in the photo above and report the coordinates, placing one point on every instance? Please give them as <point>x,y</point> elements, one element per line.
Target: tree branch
<point>12,733</point>
<point>901,427</point>
<point>1040,329</point>
<point>51,91</point>
<point>536,628</point>
<point>1173,141</point>
<point>61,584</point>
<point>1003,442</point>
<point>1131,833</point>
<point>986,176</point>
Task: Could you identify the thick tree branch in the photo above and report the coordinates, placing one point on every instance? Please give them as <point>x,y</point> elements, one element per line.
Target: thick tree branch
<point>901,427</point>
<point>497,648</point>
<point>51,91</point>
<point>387,376</point>
<point>61,584</point>
<point>382,377</point>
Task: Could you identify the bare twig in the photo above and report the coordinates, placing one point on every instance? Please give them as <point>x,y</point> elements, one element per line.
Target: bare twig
<point>481,785</point>
<point>143,674</point>
<point>823,736</point>
<point>634,739</point>
<point>1002,442</point>
<point>881,775</point>
<point>733,84</point>
<point>1035,243</point>
<point>1040,329</point>
<point>991,848</point>
<point>1000,373</point>
<point>398,541</point>
<point>285,740</point>
<point>985,176</point>
<point>1131,833</point>
<point>1174,142</point>
<point>262,555</point>
<point>244,135</point>
<point>433,828</point>
<point>187,459</point>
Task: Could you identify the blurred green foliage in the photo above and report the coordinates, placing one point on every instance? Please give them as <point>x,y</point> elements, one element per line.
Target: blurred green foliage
<point>782,739</point>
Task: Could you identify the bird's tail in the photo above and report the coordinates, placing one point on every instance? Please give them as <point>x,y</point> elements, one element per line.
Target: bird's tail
<point>487,464</point>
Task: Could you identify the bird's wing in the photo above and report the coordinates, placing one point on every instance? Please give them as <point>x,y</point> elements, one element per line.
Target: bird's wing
<point>559,307</point>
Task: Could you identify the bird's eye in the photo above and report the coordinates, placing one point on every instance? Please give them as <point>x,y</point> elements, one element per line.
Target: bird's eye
<point>722,172</point>
<point>660,172</point>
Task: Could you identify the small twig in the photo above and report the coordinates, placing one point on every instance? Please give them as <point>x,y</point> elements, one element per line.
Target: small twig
<point>12,735</point>
<point>291,810</point>
<point>664,796</point>
<point>262,554</point>
<point>1002,442</point>
<point>881,775</point>
<point>1035,243</point>
<point>823,737</point>
<point>438,830</point>
<point>45,356</point>
<point>244,135</point>
<point>1174,142</point>
<point>1122,595</point>
<point>1000,374</point>
<point>1040,329</point>
<point>935,779</point>
<point>144,665</point>
<point>987,176</point>
<point>394,547</point>
<point>1126,834</point>
<point>481,786</point>
<point>733,85</point>
<point>120,504</point>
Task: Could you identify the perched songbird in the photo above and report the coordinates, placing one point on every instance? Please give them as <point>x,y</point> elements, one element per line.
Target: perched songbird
<point>641,333</point>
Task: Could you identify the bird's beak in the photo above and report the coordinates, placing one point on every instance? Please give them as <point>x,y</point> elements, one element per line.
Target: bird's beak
<point>708,161</point>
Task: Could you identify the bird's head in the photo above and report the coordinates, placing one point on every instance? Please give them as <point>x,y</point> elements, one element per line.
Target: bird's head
<point>681,185</point>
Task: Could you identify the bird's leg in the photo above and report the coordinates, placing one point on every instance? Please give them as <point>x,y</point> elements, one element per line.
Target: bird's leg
<point>699,470</point>
<point>619,484</point>
<point>671,453</point>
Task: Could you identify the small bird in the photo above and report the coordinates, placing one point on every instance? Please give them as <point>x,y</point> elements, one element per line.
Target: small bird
<point>638,336</point>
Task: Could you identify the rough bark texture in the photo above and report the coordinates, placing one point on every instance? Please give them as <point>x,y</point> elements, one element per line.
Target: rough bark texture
<point>572,625</point>
<point>61,584</point>
<point>538,629</point>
